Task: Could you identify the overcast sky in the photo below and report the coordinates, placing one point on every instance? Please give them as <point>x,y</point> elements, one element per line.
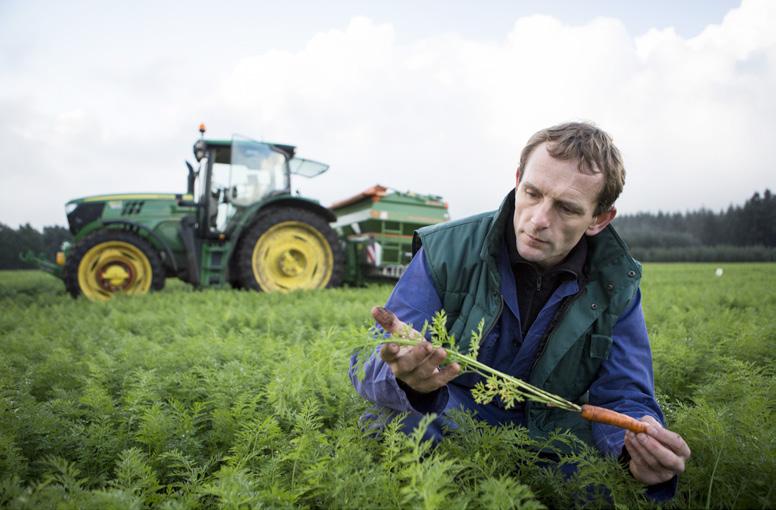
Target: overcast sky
<point>430,96</point>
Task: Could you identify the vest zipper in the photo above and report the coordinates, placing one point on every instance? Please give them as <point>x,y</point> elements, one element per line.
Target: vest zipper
<point>545,340</point>
<point>550,330</point>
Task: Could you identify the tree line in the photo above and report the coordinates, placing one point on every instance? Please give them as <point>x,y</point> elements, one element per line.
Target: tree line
<point>738,234</point>
<point>741,233</point>
<point>27,238</point>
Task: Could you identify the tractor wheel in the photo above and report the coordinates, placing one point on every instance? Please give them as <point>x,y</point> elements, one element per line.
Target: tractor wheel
<point>234,273</point>
<point>110,262</point>
<point>287,249</point>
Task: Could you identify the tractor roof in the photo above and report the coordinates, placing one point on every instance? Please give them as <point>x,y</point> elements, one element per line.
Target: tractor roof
<point>288,150</point>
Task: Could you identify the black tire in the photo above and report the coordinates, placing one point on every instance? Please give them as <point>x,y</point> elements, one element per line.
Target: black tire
<point>303,232</point>
<point>234,273</point>
<point>131,253</point>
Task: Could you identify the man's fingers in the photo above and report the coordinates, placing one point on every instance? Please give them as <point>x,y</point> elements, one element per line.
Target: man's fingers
<point>389,352</point>
<point>439,378</point>
<point>668,438</point>
<point>646,448</point>
<point>387,319</point>
<point>644,467</point>
<point>633,448</point>
<point>384,317</point>
<point>663,457</point>
<point>417,366</point>
<point>410,359</point>
<point>404,360</point>
<point>428,366</point>
<point>448,373</point>
<point>659,448</point>
<point>391,324</point>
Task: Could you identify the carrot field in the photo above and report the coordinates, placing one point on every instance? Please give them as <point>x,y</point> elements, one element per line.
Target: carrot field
<point>233,399</point>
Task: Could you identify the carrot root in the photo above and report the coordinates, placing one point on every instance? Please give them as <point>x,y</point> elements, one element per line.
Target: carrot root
<point>609,417</point>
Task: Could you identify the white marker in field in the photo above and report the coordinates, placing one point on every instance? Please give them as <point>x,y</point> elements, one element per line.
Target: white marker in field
<point>719,272</point>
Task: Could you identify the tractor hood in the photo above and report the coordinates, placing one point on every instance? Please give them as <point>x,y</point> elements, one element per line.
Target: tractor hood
<point>130,196</point>
<point>83,211</point>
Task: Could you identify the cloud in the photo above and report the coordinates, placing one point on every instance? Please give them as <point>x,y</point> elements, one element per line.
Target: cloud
<point>446,114</point>
<point>449,115</point>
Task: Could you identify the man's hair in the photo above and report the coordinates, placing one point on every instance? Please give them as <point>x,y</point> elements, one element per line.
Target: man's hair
<point>592,147</point>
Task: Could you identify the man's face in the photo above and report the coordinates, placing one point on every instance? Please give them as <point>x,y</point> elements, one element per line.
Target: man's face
<point>554,206</point>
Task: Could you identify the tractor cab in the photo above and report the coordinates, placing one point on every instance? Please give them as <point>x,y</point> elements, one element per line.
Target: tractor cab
<point>239,174</point>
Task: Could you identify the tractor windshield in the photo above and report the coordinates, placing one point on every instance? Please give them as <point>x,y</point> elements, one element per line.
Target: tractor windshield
<point>256,171</point>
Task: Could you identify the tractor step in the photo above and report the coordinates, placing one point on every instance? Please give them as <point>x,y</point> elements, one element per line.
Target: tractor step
<point>214,265</point>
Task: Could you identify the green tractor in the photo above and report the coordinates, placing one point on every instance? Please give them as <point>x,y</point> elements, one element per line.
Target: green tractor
<point>238,224</point>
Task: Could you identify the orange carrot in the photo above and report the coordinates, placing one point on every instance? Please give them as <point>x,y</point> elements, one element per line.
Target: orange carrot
<point>601,415</point>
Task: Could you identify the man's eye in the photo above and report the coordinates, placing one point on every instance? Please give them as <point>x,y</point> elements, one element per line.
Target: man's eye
<point>567,210</point>
<point>530,193</point>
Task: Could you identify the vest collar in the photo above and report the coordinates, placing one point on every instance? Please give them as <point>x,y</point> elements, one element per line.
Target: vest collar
<point>493,239</point>
<point>607,249</point>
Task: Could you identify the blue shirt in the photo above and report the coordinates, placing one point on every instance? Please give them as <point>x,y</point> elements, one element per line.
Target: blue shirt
<point>624,382</point>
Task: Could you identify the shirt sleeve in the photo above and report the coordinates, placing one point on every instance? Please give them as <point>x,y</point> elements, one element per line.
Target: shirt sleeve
<point>414,300</point>
<point>625,384</point>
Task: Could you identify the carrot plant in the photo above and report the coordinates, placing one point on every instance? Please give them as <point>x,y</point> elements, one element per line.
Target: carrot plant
<point>222,399</point>
<point>507,388</point>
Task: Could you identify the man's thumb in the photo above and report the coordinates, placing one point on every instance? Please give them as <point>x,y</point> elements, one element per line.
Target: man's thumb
<point>384,317</point>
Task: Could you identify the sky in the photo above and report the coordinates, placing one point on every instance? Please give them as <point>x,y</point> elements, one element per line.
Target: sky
<point>430,96</point>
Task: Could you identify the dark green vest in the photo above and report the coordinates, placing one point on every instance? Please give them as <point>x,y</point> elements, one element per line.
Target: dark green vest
<point>461,257</point>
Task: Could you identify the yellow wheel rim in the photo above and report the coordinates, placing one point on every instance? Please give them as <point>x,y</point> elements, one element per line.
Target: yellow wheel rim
<point>114,267</point>
<point>292,255</point>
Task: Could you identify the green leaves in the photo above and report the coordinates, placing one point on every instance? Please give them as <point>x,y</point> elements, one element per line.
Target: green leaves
<point>220,399</point>
<point>497,384</point>
<point>485,392</point>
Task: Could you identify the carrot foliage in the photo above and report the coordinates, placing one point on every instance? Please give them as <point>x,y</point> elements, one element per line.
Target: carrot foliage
<point>224,399</point>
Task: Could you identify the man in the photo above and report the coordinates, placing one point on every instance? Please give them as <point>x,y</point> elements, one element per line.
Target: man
<point>559,296</point>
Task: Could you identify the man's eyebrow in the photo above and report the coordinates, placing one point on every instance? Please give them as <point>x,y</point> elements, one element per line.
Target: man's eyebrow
<point>527,184</point>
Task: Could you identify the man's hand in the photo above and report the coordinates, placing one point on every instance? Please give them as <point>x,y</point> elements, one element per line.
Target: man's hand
<point>417,366</point>
<point>657,455</point>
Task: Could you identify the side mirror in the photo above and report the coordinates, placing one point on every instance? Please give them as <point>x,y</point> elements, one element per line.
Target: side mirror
<point>191,178</point>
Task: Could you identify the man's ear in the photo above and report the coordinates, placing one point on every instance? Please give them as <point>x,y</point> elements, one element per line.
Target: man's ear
<point>517,176</point>
<point>600,221</point>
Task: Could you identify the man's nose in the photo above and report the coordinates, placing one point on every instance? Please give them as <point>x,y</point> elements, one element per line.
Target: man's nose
<point>540,216</point>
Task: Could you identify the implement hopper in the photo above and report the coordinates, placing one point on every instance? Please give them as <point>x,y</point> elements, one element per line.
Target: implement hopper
<point>377,225</point>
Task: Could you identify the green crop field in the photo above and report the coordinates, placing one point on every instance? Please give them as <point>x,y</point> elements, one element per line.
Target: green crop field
<point>226,399</point>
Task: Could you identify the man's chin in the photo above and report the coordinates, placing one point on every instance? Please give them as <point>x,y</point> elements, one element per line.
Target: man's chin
<point>531,254</point>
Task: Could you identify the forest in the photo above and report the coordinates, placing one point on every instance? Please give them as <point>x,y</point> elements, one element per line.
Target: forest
<point>742,233</point>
